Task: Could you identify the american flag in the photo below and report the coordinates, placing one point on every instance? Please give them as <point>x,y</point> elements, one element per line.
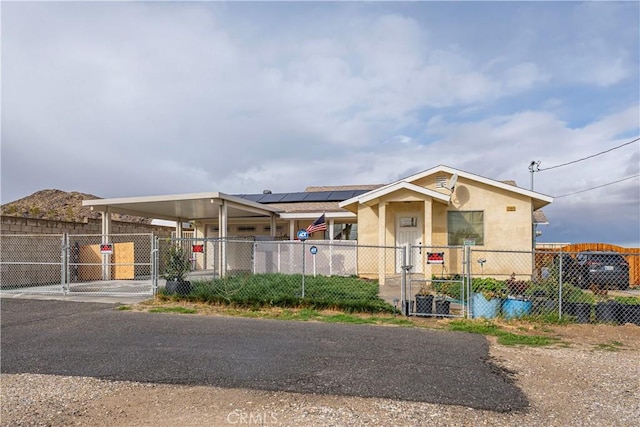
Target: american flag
<point>318,225</point>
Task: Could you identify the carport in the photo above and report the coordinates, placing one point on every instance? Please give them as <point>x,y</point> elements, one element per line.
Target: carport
<point>198,207</point>
<point>184,208</point>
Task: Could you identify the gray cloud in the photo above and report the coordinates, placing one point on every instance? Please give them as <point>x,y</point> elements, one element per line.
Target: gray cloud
<point>121,99</point>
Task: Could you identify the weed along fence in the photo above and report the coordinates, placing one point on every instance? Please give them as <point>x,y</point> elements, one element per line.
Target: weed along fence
<point>425,281</point>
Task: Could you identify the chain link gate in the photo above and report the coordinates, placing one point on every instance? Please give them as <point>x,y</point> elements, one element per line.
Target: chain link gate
<point>74,264</point>
<point>436,283</point>
<point>32,264</point>
<point>114,265</point>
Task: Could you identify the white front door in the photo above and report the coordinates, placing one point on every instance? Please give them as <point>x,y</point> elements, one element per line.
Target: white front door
<point>408,234</point>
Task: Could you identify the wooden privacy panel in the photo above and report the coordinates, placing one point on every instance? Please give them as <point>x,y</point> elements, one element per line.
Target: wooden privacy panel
<point>89,254</point>
<point>122,260</point>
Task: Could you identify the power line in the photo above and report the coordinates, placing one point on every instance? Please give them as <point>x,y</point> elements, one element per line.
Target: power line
<point>599,186</point>
<point>588,157</point>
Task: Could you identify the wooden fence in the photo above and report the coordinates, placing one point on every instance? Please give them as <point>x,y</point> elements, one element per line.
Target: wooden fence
<point>631,254</point>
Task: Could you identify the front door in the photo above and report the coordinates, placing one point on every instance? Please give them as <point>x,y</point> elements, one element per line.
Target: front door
<point>408,234</point>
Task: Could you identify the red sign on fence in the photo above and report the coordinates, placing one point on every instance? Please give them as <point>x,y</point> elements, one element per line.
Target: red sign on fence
<point>106,248</point>
<point>435,258</point>
<point>197,248</point>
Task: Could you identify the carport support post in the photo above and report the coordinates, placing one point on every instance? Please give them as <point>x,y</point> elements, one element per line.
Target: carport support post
<point>222,232</point>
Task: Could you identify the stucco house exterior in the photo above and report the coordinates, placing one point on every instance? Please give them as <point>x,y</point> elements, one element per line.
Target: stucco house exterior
<point>441,206</point>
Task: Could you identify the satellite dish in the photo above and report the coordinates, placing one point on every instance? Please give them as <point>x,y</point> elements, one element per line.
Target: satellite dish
<point>452,182</point>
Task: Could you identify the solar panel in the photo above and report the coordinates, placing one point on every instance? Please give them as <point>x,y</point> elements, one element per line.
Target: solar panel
<point>313,196</point>
<point>293,197</point>
<point>272,198</point>
<point>317,196</point>
<point>341,195</point>
<point>251,197</point>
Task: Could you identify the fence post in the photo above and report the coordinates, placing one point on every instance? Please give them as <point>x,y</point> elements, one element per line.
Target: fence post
<point>155,269</point>
<point>560,278</point>
<point>64,263</point>
<point>253,257</point>
<point>404,308</point>
<point>303,262</point>
<point>467,274</point>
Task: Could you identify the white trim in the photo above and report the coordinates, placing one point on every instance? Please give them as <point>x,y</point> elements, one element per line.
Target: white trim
<point>478,178</point>
<point>315,215</point>
<point>363,198</point>
<point>214,197</point>
<point>371,195</point>
<point>390,188</point>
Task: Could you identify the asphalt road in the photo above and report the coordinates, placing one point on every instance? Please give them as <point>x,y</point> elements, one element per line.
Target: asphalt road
<point>95,340</point>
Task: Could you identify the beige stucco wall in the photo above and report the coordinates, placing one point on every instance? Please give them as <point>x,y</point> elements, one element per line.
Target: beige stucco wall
<point>507,223</point>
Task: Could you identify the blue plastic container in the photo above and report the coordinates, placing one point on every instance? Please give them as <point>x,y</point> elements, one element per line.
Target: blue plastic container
<point>514,308</point>
<point>481,307</point>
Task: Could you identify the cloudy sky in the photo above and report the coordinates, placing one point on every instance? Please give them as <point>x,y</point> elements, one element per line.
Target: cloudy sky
<point>126,99</point>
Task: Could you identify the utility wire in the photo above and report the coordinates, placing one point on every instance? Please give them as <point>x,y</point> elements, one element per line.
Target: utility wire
<point>588,157</point>
<point>599,186</point>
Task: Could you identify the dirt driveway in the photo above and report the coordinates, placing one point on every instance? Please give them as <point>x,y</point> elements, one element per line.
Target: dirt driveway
<point>589,379</point>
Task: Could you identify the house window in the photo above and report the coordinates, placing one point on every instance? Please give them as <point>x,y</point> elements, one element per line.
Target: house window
<point>408,221</point>
<point>345,232</point>
<point>246,228</point>
<point>465,225</point>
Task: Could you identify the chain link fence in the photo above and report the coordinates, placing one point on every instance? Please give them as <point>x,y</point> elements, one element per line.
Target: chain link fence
<point>32,263</point>
<point>586,287</point>
<point>67,263</point>
<point>436,282</point>
<point>118,264</point>
<point>421,280</point>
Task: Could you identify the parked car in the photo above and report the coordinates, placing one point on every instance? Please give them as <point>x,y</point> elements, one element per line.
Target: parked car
<point>569,268</point>
<point>606,270</point>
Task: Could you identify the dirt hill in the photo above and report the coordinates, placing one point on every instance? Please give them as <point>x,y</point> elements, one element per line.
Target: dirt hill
<point>61,206</point>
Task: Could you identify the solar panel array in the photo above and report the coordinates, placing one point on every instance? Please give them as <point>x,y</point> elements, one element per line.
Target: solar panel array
<point>312,196</point>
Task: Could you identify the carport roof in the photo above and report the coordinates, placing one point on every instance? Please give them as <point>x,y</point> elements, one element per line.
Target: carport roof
<point>175,207</point>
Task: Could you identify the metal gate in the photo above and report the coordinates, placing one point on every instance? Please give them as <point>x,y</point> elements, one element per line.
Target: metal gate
<point>110,265</point>
<point>436,281</point>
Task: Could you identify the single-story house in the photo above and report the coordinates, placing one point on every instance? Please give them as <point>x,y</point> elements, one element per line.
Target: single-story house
<point>441,206</point>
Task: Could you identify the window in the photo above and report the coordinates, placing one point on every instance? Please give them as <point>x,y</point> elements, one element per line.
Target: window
<point>344,232</point>
<point>465,226</point>
<point>246,228</point>
<point>441,181</point>
<point>406,221</point>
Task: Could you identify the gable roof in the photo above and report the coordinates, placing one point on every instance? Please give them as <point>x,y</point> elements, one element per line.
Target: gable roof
<point>398,185</point>
<point>539,200</point>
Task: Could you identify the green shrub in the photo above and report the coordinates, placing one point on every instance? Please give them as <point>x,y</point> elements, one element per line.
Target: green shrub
<point>489,287</point>
<point>350,294</point>
<point>628,300</point>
